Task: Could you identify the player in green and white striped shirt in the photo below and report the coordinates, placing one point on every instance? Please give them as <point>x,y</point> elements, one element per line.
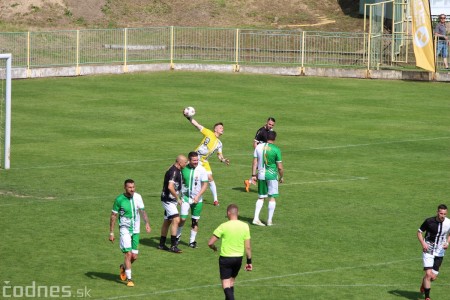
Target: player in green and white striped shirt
<point>128,206</point>
<point>268,163</point>
<point>195,183</point>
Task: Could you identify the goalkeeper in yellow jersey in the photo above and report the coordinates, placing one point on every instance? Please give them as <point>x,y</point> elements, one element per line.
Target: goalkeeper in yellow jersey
<point>208,146</point>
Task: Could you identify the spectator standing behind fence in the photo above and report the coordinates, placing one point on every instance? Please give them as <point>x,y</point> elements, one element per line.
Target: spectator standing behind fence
<point>440,31</point>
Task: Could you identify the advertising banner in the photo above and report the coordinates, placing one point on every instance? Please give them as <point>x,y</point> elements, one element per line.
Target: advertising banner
<point>422,35</point>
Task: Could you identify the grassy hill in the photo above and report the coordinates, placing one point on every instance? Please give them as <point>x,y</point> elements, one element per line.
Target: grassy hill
<point>310,15</point>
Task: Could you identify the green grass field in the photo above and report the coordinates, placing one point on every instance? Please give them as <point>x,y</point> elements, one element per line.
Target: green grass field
<point>366,161</point>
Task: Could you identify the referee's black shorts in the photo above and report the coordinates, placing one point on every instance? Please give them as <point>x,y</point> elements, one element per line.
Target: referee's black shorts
<point>229,266</point>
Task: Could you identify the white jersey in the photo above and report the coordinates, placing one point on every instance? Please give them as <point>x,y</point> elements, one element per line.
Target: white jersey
<point>193,179</point>
<point>259,155</point>
<point>138,205</point>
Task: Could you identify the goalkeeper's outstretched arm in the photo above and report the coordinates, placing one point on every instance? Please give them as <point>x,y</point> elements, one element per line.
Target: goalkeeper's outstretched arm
<point>193,122</point>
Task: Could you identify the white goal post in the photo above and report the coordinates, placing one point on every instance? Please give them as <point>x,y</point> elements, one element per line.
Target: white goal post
<point>5,97</point>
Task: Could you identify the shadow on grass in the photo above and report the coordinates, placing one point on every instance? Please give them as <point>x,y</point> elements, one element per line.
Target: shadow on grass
<point>152,242</point>
<point>253,189</point>
<point>406,294</point>
<point>245,219</point>
<point>104,276</point>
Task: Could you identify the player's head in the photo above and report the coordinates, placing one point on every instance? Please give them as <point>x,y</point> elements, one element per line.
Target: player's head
<point>442,18</point>
<point>193,159</point>
<point>129,187</point>
<point>232,211</point>
<point>442,212</point>
<point>270,123</point>
<point>218,128</point>
<point>271,135</point>
<point>181,161</point>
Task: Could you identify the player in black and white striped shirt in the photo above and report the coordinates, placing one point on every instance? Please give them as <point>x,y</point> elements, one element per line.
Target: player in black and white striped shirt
<point>434,244</point>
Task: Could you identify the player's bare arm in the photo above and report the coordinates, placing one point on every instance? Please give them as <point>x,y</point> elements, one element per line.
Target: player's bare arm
<point>211,242</point>
<point>193,122</point>
<point>248,253</point>
<point>196,124</point>
<point>147,223</point>
<point>280,171</point>
<point>112,223</point>
<point>254,165</point>
<point>422,241</point>
<point>200,193</point>
<point>223,159</point>
<point>171,188</point>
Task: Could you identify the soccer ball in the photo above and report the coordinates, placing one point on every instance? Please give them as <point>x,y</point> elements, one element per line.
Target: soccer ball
<point>189,111</point>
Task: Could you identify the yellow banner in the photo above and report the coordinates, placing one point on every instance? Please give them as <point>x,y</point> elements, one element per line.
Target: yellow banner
<point>422,35</point>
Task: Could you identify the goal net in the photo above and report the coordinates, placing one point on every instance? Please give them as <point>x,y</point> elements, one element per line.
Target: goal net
<point>5,110</point>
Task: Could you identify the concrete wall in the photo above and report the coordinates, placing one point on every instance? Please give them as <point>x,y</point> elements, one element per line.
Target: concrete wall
<point>286,71</point>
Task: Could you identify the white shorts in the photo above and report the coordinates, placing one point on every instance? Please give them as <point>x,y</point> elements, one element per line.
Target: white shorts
<point>125,241</point>
<point>272,186</point>
<point>185,207</point>
<point>170,210</point>
<point>429,262</point>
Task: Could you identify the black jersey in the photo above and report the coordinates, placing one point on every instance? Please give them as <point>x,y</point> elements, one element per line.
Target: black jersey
<point>172,175</point>
<point>261,135</point>
<point>436,234</point>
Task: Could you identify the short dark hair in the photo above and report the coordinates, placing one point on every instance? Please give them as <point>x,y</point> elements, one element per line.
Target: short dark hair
<point>233,209</point>
<point>271,119</point>
<point>192,154</point>
<point>127,181</point>
<point>271,135</point>
<point>217,124</point>
<point>442,206</point>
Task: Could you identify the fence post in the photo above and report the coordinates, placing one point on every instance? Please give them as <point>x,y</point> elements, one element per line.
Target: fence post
<point>77,67</point>
<point>369,37</point>
<point>171,47</point>
<point>125,67</point>
<point>302,67</point>
<point>236,67</point>
<point>28,55</point>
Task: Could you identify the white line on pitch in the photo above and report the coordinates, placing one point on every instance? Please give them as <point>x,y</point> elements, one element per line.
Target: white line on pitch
<point>92,164</point>
<point>371,144</point>
<point>231,155</point>
<point>326,181</point>
<point>343,285</point>
<point>264,278</point>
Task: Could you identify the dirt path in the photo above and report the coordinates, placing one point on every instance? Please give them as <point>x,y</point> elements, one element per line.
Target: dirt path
<point>320,21</point>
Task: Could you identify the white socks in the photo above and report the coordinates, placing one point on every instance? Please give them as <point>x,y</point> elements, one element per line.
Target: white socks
<point>258,207</point>
<point>212,187</point>
<point>193,236</point>
<point>271,210</point>
<point>128,273</point>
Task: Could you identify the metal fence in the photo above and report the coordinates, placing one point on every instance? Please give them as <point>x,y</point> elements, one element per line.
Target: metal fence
<point>201,45</point>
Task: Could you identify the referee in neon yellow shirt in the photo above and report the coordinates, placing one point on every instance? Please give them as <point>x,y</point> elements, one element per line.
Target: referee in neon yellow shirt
<point>235,237</point>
